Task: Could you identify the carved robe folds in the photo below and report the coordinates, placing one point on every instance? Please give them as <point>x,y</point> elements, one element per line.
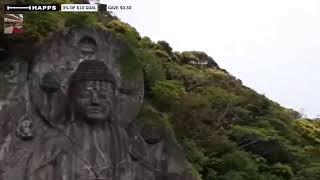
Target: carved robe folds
<point>86,153</point>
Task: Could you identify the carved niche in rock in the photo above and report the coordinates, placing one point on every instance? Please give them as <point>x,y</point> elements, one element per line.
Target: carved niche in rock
<point>76,122</point>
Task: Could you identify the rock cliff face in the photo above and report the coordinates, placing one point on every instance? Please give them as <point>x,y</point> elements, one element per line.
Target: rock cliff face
<point>70,114</point>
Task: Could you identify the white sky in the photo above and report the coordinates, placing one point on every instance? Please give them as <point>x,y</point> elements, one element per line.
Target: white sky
<point>273,46</point>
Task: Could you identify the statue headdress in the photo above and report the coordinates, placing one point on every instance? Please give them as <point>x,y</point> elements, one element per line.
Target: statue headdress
<point>92,70</point>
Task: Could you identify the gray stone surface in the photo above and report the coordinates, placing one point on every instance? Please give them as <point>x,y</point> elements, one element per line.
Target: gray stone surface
<point>69,116</point>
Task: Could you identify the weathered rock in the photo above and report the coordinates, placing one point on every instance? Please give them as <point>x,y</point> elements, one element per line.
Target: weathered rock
<point>199,59</point>
<point>72,118</point>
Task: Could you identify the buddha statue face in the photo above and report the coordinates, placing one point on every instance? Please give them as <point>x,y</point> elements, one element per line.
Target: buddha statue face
<point>92,100</point>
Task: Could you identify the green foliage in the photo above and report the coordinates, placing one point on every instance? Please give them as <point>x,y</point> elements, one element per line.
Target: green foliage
<point>125,32</point>
<point>39,25</point>
<point>129,63</point>
<point>240,165</point>
<point>167,93</point>
<point>151,118</point>
<point>254,139</point>
<point>311,172</point>
<point>282,170</point>
<point>283,114</point>
<point>248,132</point>
<point>188,57</point>
<point>235,175</point>
<point>176,57</point>
<point>218,97</point>
<point>82,19</point>
<point>193,77</point>
<point>195,174</point>
<point>308,129</point>
<point>194,154</point>
<point>237,161</point>
<point>166,46</point>
<point>217,74</point>
<point>152,68</point>
<point>162,55</point>
<point>192,116</point>
<point>146,43</point>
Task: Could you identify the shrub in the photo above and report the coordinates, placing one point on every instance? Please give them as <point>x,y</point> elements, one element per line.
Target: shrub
<point>308,129</point>
<point>125,32</point>
<point>282,170</point>
<point>237,161</point>
<point>311,172</point>
<point>150,117</point>
<point>167,93</point>
<point>152,68</point>
<point>146,43</point>
<point>194,154</point>
<point>130,64</point>
<point>162,55</point>
<point>165,46</point>
<point>81,19</point>
<point>188,57</point>
<point>253,133</point>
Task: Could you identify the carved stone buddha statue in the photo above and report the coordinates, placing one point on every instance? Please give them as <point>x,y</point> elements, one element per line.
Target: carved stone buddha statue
<point>92,145</point>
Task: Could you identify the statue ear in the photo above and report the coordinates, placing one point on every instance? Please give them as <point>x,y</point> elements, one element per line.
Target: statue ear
<point>115,92</point>
<point>70,111</point>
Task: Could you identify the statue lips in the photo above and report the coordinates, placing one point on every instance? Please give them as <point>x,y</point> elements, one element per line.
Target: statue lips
<point>97,113</point>
<point>95,109</point>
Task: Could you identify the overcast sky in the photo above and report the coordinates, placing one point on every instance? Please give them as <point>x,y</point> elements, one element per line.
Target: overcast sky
<point>273,46</point>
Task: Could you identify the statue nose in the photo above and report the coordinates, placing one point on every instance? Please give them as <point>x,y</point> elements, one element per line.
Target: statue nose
<point>94,98</point>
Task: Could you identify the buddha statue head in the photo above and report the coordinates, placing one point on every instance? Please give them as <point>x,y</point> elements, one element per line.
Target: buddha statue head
<point>92,92</point>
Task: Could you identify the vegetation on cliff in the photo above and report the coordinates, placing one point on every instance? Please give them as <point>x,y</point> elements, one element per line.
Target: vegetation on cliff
<point>227,130</point>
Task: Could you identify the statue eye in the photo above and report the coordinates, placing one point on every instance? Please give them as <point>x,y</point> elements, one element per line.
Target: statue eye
<point>84,94</point>
<point>103,95</point>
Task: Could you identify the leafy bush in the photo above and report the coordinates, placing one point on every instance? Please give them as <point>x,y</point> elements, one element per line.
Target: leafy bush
<point>311,172</point>
<point>188,57</point>
<point>146,43</point>
<point>165,46</point>
<point>162,55</point>
<point>237,161</point>
<point>125,32</point>
<point>150,117</point>
<point>167,93</point>
<point>129,63</point>
<point>194,154</point>
<point>82,19</point>
<point>152,68</point>
<point>282,170</point>
<point>308,129</point>
<point>251,133</point>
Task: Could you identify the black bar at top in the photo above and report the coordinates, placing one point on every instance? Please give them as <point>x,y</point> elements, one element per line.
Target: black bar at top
<point>31,7</point>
